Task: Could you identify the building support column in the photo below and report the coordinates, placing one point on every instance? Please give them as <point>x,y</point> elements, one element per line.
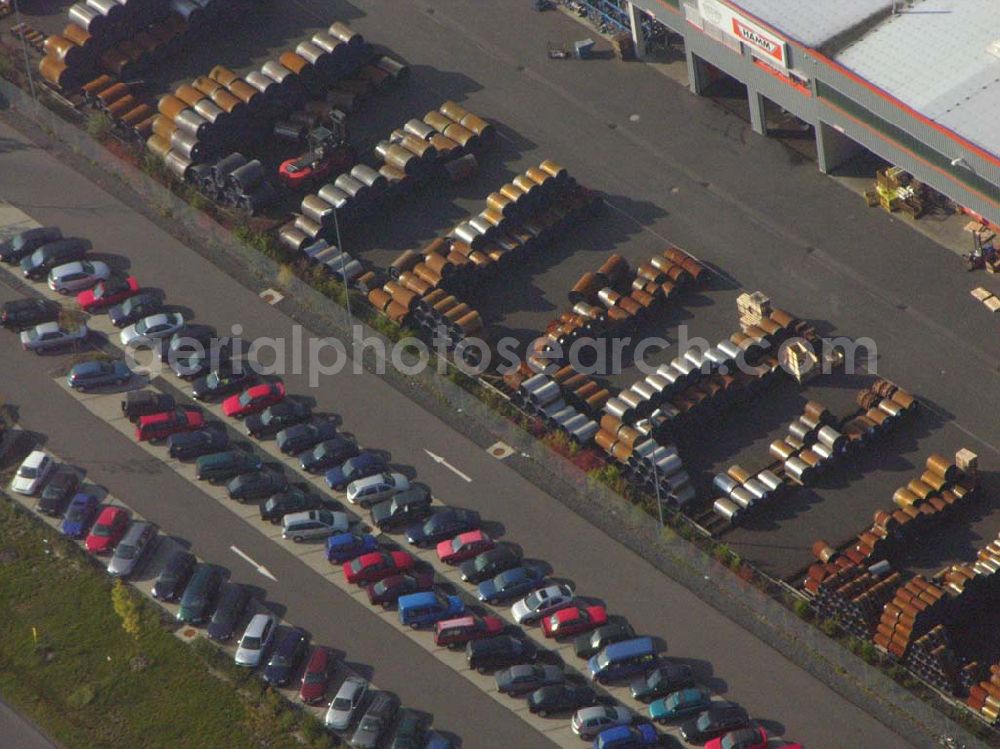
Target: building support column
<point>833,148</point>
<point>638,38</point>
<point>758,122</point>
<point>697,76</point>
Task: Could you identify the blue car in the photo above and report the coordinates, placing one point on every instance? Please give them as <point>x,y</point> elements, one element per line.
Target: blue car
<point>428,607</point>
<point>360,466</point>
<point>80,515</point>
<point>510,584</point>
<point>680,704</point>
<point>343,547</point>
<point>627,737</point>
<point>92,374</point>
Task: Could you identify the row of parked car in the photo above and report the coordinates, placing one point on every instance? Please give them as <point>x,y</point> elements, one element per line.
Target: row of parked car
<point>613,651</point>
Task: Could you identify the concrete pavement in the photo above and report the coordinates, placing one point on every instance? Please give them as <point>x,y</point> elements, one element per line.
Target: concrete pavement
<point>20,733</point>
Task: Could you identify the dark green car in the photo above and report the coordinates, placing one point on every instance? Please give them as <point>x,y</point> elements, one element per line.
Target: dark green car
<point>226,465</point>
<point>200,595</point>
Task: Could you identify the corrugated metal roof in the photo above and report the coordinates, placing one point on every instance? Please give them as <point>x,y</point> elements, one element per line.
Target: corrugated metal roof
<point>935,57</point>
<point>813,22</point>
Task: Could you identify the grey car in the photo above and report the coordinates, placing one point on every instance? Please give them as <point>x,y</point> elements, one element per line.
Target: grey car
<point>132,549</point>
<point>52,335</point>
<point>378,717</point>
<point>350,697</point>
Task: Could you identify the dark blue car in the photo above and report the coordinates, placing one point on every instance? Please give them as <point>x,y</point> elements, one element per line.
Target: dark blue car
<point>80,515</point>
<point>360,466</point>
<point>92,374</point>
<point>510,584</point>
<point>187,445</point>
<point>627,737</point>
<point>343,547</point>
<point>287,655</point>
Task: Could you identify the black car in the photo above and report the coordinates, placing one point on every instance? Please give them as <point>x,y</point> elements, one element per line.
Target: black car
<point>288,502</point>
<point>300,437</point>
<point>258,485</point>
<point>23,244</point>
<point>27,313</point>
<point>443,525</point>
<point>192,340</point>
<point>287,655</point>
<point>233,600</point>
<point>145,402</point>
<point>590,644</point>
<point>406,507</point>
<point>222,382</point>
<point>48,256</point>
<point>561,698</point>
<point>57,492</point>
<point>175,575</point>
<point>661,681</point>
<point>411,730</point>
<point>720,718</point>
<point>277,417</point>
<point>489,564</point>
<point>501,651</point>
<point>187,445</point>
<point>199,597</point>
<point>328,453</point>
<point>135,308</point>
<point>190,365</point>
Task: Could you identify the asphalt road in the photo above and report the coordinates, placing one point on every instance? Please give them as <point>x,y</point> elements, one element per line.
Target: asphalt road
<point>20,733</point>
<point>726,656</point>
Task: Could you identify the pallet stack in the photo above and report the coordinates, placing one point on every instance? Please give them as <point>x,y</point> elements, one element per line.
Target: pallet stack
<point>916,608</point>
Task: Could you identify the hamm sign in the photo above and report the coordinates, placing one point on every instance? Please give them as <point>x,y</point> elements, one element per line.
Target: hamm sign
<point>761,42</point>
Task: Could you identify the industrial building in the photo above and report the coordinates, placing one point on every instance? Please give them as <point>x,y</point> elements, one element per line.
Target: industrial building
<point>916,82</point>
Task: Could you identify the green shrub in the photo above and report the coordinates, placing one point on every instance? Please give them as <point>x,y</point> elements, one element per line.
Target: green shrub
<point>128,608</point>
<point>99,126</point>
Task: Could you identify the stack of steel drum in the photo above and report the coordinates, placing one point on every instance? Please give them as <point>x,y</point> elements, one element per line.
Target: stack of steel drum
<point>340,264</point>
<point>131,117</point>
<point>410,155</point>
<point>222,112</point>
<point>235,181</point>
<point>650,459</point>
<point>811,445</point>
<point>882,404</point>
<point>123,38</point>
<point>742,490</point>
<point>562,397</point>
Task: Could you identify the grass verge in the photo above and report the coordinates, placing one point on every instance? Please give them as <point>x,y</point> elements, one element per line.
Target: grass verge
<point>67,662</point>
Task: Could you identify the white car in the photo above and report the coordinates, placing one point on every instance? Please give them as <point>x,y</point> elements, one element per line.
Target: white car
<point>77,276</point>
<point>153,327</point>
<point>33,472</point>
<point>346,704</point>
<point>300,526</point>
<point>256,640</point>
<point>542,602</point>
<point>51,335</point>
<point>374,489</point>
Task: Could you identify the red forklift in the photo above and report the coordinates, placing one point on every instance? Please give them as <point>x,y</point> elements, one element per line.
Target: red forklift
<point>329,153</point>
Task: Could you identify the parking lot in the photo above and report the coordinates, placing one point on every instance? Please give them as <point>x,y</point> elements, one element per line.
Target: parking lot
<point>781,231</point>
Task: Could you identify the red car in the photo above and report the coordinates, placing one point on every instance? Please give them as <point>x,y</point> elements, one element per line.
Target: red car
<point>107,531</point>
<point>387,591</point>
<point>454,633</point>
<point>463,546</point>
<point>254,400</point>
<point>322,663</point>
<point>370,568</point>
<point>161,425</point>
<point>107,293</point>
<point>574,620</point>
<point>744,738</point>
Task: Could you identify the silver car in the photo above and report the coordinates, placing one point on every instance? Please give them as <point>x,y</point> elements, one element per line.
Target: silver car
<point>132,549</point>
<point>77,276</point>
<point>374,489</point>
<point>154,327</point>
<point>300,526</point>
<point>590,721</point>
<point>350,697</point>
<point>50,335</point>
<point>256,640</point>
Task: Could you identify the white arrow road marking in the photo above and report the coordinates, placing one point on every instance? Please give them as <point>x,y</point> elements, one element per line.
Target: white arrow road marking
<point>438,459</point>
<point>259,567</point>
